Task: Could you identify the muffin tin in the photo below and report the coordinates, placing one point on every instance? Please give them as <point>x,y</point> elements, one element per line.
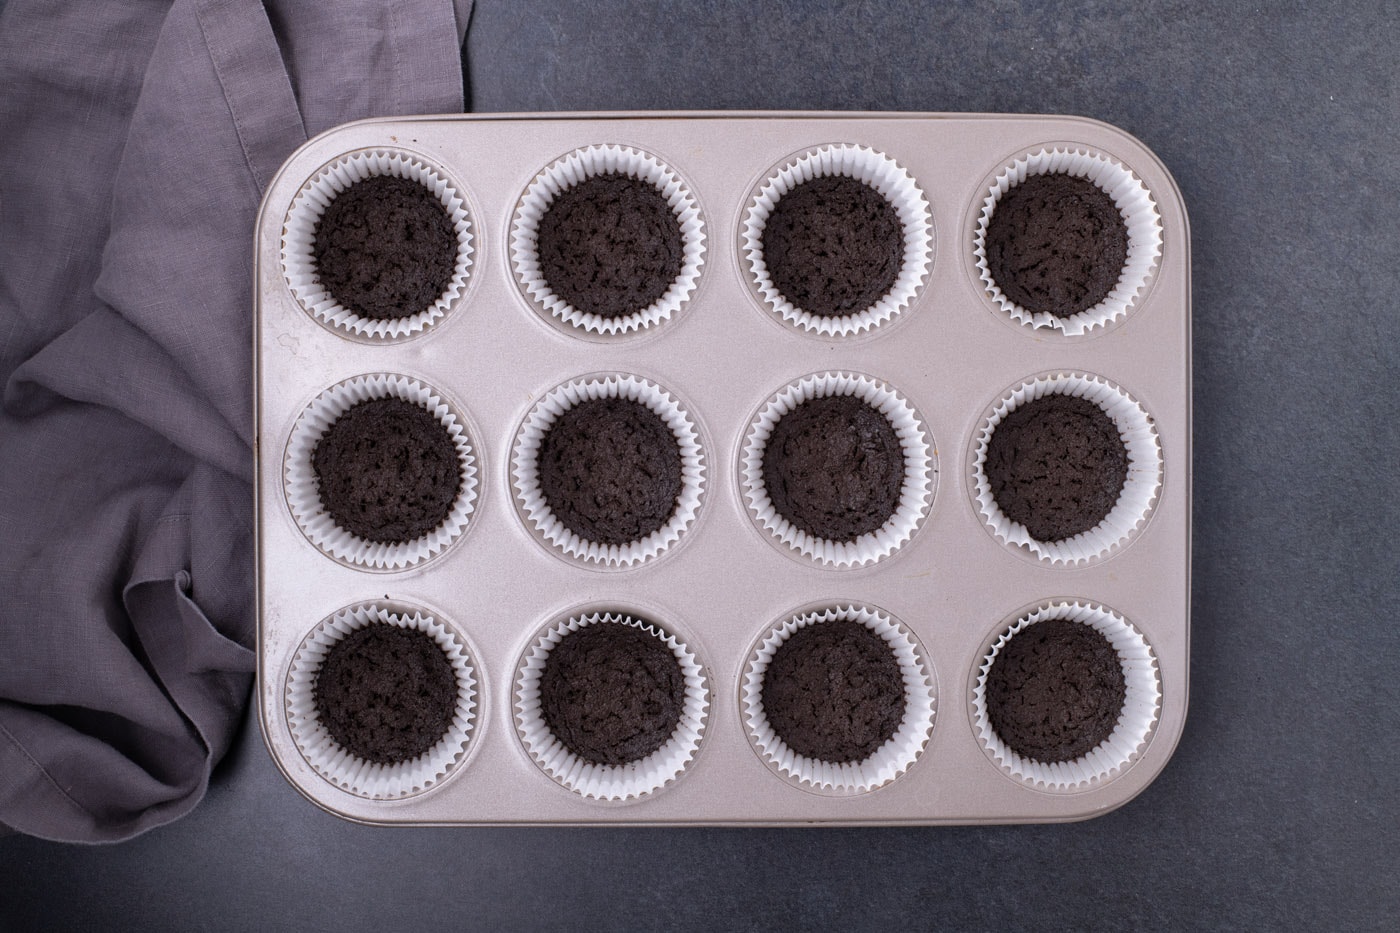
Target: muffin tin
<point>493,351</point>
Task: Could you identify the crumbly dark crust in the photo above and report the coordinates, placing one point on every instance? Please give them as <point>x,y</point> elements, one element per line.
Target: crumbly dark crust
<point>834,691</point>
<point>1055,691</point>
<point>833,245</point>
<point>385,248</point>
<point>1056,244</point>
<point>387,471</point>
<point>834,467</point>
<point>386,694</point>
<point>611,693</point>
<point>1056,465</point>
<point>610,245</point>
<point>610,470</point>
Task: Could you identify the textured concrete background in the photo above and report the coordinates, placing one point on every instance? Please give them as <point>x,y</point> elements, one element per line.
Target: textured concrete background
<point>1279,808</point>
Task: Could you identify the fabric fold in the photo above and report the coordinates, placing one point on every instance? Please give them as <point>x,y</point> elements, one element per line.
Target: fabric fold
<point>139,138</point>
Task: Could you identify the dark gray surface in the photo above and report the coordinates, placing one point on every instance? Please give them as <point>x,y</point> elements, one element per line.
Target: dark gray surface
<point>1279,806</point>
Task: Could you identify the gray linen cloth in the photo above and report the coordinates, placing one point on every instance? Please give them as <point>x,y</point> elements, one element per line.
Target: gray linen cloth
<point>136,138</point>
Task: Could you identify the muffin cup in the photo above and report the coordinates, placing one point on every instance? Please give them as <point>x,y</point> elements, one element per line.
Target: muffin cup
<point>894,184</point>
<point>356,775</point>
<point>570,171</point>
<point>1141,487</point>
<point>916,494</point>
<point>299,237</point>
<point>1140,216</point>
<point>525,470</point>
<point>1142,703</point>
<point>890,760</point>
<point>302,488</point>
<point>598,781</point>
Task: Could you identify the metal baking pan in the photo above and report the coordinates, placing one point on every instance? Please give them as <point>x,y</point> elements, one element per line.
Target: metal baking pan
<point>952,352</point>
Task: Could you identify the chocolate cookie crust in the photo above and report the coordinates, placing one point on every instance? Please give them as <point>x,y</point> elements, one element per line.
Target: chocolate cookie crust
<point>610,245</point>
<point>1056,244</point>
<point>387,470</point>
<point>1056,465</point>
<point>386,694</point>
<point>385,248</point>
<point>1055,691</point>
<point>834,691</point>
<point>610,470</point>
<point>611,693</point>
<point>834,467</point>
<point>833,245</point>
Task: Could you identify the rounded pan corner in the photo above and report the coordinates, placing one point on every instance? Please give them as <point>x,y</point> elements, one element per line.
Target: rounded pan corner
<point>300,788</point>
<point>313,143</point>
<point>1132,140</point>
<point>1165,750</point>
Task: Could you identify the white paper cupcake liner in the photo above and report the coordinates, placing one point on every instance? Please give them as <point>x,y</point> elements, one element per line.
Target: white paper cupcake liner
<point>525,469</point>
<point>1142,703</point>
<point>570,171</point>
<point>598,781</point>
<point>893,183</point>
<point>299,236</point>
<point>920,471</point>
<point>1134,202</point>
<point>303,491</point>
<point>337,765</point>
<point>1140,488</point>
<point>890,760</point>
